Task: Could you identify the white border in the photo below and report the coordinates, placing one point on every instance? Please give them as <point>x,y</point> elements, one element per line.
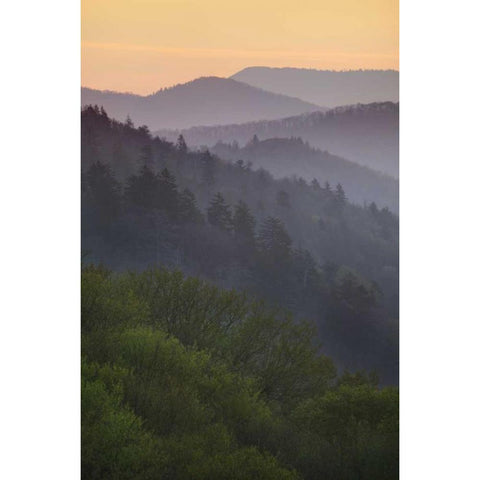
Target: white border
<point>40,240</point>
<point>39,198</point>
<point>439,239</point>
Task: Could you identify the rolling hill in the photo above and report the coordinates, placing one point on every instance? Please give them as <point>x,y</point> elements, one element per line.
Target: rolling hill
<point>204,101</point>
<point>286,157</point>
<point>325,87</point>
<point>365,134</point>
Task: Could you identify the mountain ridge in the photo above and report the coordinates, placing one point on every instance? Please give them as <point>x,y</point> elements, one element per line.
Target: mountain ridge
<point>205,100</point>
<point>325,87</point>
<point>366,134</point>
<point>292,157</point>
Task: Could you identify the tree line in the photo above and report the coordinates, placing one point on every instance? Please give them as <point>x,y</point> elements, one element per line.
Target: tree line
<point>300,245</point>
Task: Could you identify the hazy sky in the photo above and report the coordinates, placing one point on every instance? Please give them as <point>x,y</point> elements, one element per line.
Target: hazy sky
<point>143,45</point>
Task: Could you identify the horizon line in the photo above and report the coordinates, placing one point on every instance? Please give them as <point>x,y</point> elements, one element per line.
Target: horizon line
<point>107,90</point>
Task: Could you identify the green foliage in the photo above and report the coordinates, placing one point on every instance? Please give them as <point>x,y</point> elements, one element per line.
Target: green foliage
<point>115,444</point>
<point>213,382</point>
<point>155,218</point>
<point>357,294</point>
<point>183,380</point>
<point>355,428</point>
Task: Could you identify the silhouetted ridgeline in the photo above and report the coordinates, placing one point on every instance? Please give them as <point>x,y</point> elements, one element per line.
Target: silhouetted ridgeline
<point>204,101</point>
<point>365,134</point>
<point>297,244</point>
<point>325,87</point>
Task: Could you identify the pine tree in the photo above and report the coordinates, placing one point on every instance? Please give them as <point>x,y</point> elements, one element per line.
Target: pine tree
<point>129,123</point>
<point>315,185</point>
<point>103,192</point>
<point>274,239</point>
<point>146,156</point>
<point>181,145</point>
<point>208,169</point>
<point>373,209</point>
<point>219,213</point>
<point>143,189</point>
<point>254,141</point>
<point>188,211</point>
<point>168,193</point>
<point>244,223</point>
<point>340,197</point>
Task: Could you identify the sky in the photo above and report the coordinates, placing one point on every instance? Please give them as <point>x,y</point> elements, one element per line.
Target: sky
<point>141,46</point>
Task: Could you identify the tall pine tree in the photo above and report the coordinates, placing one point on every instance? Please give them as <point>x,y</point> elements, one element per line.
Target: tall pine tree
<point>219,213</point>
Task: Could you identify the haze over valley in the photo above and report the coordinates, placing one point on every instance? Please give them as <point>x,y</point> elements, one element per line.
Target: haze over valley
<point>203,101</point>
<point>366,134</point>
<point>329,88</point>
<point>240,240</point>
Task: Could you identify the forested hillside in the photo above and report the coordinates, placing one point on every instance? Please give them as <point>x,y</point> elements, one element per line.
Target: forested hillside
<point>185,381</point>
<point>366,134</point>
<point>204,101</point>
<point>287,157</point>
<point>298,245</point>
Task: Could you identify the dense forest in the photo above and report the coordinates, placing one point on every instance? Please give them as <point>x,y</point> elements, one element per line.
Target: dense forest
<point>367,134</point>
<point>298,245</point>
<point>234,325</point>
<point>286,157</point>
<point>183,380</point>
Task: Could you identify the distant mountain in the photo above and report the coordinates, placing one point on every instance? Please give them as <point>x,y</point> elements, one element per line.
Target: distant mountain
<point>325,87</point>
<point>204,101</point>
<point>286,157</point>
<point>365,134</point>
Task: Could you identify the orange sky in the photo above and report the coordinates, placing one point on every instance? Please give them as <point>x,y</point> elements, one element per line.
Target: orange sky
<point>143,45</point>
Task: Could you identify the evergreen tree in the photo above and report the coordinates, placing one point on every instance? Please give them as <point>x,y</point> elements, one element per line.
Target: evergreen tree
<point>181,145</point>
<point>340,197</point>
<point>373,209</point>
<point>168,193</point>
<point>143,189</point>
<point>306,268</point>
<point>146,156</point>
<point>219,213</point>
<point>188,211</point>
<point>315,185</point>
<point>208,169</point>
<point>274,239</point>
<point>254,141</point>
<point>244,223</point>
<point>129,123</point>
<point>120,160</point>
<point>103,193</point>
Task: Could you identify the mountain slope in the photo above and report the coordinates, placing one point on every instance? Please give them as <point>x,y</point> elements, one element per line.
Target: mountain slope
<point>204,101</point>
<point>365,134</point>
<point>241,228</point>
<point>325,87</point>
<point>285,157</point>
